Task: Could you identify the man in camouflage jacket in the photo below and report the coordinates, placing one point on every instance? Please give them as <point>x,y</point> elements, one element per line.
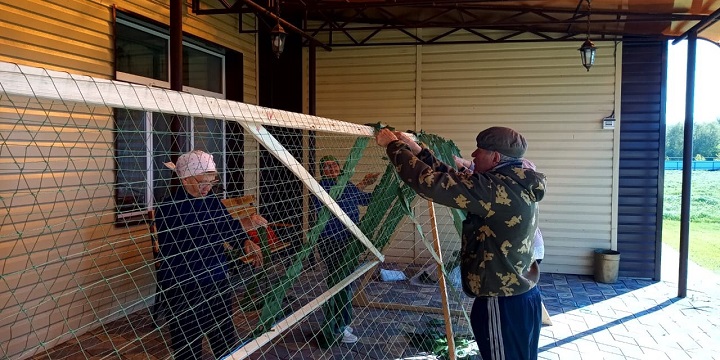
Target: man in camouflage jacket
<point>497,263</point>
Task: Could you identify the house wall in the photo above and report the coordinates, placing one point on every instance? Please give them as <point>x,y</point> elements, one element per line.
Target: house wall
<point>66,267</point>
<point>454,91</point>
<point>77,35</point>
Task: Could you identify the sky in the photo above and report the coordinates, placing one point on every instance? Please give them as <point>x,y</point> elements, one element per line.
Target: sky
<point>707,82</point>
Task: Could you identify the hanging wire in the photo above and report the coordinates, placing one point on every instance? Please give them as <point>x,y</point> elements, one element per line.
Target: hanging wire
<point>588,18</point>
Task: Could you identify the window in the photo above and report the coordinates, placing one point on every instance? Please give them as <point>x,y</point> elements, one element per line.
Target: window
<point>143,139</point>
<point>142,55</point>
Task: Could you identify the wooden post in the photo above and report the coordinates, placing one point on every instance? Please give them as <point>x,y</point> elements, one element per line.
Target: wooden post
<point>443,285</point>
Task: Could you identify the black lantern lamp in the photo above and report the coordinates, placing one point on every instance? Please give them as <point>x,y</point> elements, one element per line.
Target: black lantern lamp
<point>277,34</point>
<point>587,50</point>
<point>587,53</point>
<point>277,38</point>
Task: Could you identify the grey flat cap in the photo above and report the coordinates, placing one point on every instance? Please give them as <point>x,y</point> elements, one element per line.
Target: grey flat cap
<point>503,140</point>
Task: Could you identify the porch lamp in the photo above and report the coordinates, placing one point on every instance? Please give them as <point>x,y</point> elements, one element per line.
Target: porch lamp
<point>277,34</point>
<point>277,39</point>
<point>587,54</point>
<point>587,50</point>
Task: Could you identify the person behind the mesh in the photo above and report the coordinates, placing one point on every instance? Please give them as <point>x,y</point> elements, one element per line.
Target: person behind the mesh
<point>192,227</point>
<point>497,265</point>
<point>335,237</point>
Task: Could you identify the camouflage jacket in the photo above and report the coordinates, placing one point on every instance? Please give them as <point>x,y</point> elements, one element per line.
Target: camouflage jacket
<point>501,204</point>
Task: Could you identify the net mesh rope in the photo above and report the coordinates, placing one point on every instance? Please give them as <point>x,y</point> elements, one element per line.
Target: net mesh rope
<point>83,183</point>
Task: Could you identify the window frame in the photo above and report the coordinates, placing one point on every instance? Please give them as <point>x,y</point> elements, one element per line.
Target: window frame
<point>149,201</point>
<point>136,79</point>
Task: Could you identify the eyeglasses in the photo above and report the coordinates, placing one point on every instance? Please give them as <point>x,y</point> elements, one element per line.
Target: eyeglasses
<point>205,182</point>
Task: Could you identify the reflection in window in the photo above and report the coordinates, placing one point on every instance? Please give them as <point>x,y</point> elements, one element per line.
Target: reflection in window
<point>131,162</point>
<point>141,53</point>
<point>209,137</point>
<point>202,70</point>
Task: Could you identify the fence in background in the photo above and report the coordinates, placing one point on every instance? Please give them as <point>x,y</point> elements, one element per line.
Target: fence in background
<point>696,165</point>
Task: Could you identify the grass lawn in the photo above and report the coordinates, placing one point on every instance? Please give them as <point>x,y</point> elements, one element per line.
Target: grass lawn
<point>704,216</point>
<point>704,242</point>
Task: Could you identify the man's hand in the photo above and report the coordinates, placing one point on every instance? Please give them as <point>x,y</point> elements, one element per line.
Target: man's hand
<point>253,252</point>
<point>414,147</point>
<point>461,163</point>
<point>384,137</point>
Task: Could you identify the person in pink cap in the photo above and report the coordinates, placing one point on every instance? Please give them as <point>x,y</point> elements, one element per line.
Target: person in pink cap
<point>192,228</point>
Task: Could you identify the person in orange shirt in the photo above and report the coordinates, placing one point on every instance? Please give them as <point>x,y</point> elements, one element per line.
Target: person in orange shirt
<point>255,221</point>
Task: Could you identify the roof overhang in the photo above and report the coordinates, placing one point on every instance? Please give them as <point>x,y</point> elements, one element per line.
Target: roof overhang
<point>548,20</point>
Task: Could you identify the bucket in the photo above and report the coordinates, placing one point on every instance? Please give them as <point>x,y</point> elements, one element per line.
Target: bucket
<point>607,263</point>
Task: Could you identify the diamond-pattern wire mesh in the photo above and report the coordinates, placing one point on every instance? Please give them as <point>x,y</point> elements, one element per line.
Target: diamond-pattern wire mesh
<point>81,182</point>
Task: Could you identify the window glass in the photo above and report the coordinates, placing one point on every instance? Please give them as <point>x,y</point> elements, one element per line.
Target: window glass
<point>202,70</point>
<point>209,138</point>
<point>130,156</point>
<point>141,53</point>
<point>162,152</point>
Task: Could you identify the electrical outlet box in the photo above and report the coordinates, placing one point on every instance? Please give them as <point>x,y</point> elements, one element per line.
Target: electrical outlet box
<point>608,123</point>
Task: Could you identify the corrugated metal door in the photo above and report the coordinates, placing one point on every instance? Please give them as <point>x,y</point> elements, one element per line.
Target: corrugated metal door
<point>642,147</point>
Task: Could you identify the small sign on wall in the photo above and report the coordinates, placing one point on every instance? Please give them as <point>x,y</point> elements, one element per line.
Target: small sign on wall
<point>608,123</point>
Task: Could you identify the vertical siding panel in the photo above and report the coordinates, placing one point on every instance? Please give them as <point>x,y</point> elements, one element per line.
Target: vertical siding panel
<point>642,148</point>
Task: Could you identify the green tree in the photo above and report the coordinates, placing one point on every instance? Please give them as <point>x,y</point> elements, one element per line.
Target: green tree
<point>717,148</point>
<point>706,139</point>
<point>674,141</point>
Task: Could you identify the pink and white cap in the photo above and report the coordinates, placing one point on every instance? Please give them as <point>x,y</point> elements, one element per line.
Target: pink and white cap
<point>196,162</point>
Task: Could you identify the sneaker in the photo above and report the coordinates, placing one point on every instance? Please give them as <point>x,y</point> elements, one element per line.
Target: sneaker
<point>348,337</point>
<point>349,329</point>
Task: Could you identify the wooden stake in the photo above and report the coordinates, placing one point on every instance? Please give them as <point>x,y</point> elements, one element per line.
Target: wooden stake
<point>443,285</point>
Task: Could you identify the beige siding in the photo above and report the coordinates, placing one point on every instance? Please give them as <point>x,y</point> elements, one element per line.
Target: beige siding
<point>368,85</point>
<point>66,268</point>
<point>540,89</point>
<point>65,264</point>
<point>76,35</point>
<point>73,36</point>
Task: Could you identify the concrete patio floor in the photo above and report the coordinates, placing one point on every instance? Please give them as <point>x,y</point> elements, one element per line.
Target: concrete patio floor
<point>631,319</point>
